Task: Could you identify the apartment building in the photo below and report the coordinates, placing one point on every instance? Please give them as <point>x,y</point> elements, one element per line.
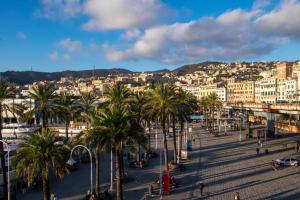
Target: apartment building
<point>240,91</point>
<point>267,89</point>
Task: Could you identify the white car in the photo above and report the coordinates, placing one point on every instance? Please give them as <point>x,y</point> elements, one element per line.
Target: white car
<point>287,161</point>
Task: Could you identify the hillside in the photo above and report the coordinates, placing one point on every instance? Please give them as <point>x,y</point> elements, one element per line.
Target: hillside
<point>25,77</point>
<point>187,69</point>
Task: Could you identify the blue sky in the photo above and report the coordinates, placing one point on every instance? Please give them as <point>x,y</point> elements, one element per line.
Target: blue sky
<point>55,35</point>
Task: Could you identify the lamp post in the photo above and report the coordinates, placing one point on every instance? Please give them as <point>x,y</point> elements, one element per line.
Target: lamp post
<point>156,134</point>
<point>71,161</point>
<point>111,169</point>
<point>8,174</point>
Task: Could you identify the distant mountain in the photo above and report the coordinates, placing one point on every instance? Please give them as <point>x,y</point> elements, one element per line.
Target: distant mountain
<point>187,69</point>
<point>25,77</point>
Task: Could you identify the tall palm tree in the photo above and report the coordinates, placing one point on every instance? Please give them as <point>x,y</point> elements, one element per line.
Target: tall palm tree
<point>98,138</point>
<point>118,94</point>
<point>5,92</point>
<point>38,154</point>
<point>44,96</point>
<point>214,103</point>
<point>186,105</point>
<point>88,103</point>
<point>67,107</point>
<point>137,107</point>
<point>160,102</point>
<point>122,126</point>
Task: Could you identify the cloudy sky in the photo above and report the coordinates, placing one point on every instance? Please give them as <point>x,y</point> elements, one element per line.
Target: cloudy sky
<point>55,35</point>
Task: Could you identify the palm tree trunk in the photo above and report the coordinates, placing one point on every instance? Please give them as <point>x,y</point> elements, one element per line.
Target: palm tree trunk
<point>166,160</point>
<point>5,189</point>
<point>174,140</point>
<point>118,175</point>
<point>46,189</point>
<point>213,119</point>
<point>67,128</point>
<point>44,118</point>
<point>97,161</point>
<point>180,139</point>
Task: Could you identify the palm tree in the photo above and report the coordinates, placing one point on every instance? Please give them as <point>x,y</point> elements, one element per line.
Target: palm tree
<point>122,127</point>
<point>160,102</point>
<point>137,107</point>
<point>99,139</point>
<point>88,103</point>
<point>214,103</point>
<point>39,153</point>
<point>66,107</point>
<point>44,96</point>
<point>186,104</point>
<point>119,94</point>
<point>5,92</point>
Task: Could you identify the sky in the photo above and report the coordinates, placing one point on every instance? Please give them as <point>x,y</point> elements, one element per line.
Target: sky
<point>142,35</point>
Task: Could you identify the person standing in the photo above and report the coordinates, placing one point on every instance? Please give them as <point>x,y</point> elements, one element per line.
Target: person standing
<point>274,165</point>
<point>88,195</point>
<point>257,151</point>
<point>201,187</point>
<point>237,196</point>
<point>52,196</point>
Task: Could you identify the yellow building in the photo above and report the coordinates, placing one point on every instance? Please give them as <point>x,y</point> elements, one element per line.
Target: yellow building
<point>238,92</point>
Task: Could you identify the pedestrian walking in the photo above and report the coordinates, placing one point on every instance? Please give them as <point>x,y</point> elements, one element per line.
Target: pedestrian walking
<point>274,165</point>
<point>257,151</point>
<point>88,195</point>
<point>52,196</point>
<point>237,196</point>
<point>201,187</point>
<point>24,186</point>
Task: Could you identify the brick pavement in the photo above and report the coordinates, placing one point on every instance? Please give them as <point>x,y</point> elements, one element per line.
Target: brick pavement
<point>228,166</point>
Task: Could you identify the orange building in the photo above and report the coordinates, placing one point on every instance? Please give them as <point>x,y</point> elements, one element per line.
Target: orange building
<point>284,70</point>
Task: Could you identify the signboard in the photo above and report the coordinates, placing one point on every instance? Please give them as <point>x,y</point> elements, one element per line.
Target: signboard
<point>166,182</point>
<point>189,145</point>
<point>196,117</point>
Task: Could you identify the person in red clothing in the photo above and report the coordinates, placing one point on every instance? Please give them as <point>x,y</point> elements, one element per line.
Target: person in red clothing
<point>274,165</point>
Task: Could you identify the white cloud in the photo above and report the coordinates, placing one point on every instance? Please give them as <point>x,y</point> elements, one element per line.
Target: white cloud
<point>58,9</point>
<point>231,35</point>
<point>283,21</point>
<point>21,35</point>
<point>70,45</point>
<point>131,34</point>
<point>53,56</point>
<point>122,14</point>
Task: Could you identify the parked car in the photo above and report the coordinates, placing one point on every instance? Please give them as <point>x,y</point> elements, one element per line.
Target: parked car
<point>288,161</point>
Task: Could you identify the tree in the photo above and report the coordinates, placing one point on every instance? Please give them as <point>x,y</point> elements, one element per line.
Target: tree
<point>185,105</point>
<point>38,154</point>
<point>5,92</point>
<point>160,100</point>
<point>44,96</point>
<point>66,106</point>
<point>87,103</point>
<point>214,103</point>
<point>99,139</point>
<point>122,127</point>
<point>137,107</point>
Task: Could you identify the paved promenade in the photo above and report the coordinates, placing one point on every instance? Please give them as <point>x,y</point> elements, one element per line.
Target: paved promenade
<point>224,164</point>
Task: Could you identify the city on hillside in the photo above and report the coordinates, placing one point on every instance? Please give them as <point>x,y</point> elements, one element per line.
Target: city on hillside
<point>150,100</point>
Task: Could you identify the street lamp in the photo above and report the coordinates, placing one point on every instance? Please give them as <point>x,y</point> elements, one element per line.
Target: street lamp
<point>71,161</point>
<point>8,175</point>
